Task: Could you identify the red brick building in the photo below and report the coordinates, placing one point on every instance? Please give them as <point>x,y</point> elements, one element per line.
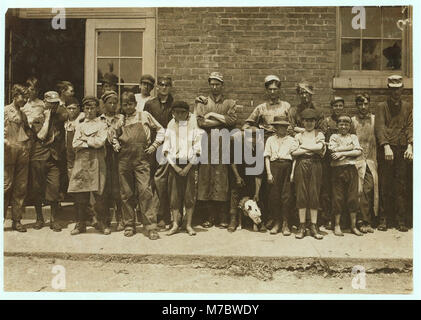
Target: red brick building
<point>318,44</point>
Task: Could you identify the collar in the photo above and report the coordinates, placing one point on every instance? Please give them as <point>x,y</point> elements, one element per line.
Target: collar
<point>168,102</point>
<point>362,116</point>
<point>217,99</point>
<point>274,103</point>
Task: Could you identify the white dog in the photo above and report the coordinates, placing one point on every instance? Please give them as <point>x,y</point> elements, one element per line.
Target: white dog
<point>250,209</point>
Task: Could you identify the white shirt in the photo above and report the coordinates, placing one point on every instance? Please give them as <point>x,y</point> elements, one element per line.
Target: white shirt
<point>141,101</point>
<point>278,148</point>
<point>183,140</point>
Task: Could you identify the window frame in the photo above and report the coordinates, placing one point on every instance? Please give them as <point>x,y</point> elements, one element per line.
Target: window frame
<point>146,25</point>
<point>373,78</point>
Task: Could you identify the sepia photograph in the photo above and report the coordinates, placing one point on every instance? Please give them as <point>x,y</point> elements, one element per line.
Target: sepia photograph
<point>208,150</point>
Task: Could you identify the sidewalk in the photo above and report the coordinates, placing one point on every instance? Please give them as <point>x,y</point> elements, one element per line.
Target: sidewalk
<point>377,251</point>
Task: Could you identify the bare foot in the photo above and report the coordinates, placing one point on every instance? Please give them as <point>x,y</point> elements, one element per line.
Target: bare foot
<point>338,231</point>
<point>173,230</point>
<point>190,231</point>
<point>356,232</point>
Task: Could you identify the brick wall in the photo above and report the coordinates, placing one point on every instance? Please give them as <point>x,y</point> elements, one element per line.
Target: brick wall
<point>246,44</point>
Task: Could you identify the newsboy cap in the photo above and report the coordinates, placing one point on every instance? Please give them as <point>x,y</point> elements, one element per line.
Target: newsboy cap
<point>180,105</point>
<point>272,77</point>
<point>309,113</point>
<point>109,78</point>
<point>305,86</point>
<point>336,99</point>
<point>148,79</point>
<point>217,76</point>
<point>51,96</point>
<point>108,94</point>
<point>89,99</point>
<point>394,81</point>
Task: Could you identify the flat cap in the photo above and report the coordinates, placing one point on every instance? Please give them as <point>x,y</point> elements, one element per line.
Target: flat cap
<point>108,94</point>
<point>336,99</point>
<point>272,77</point>
<point>305,86</point>
<point>51,96</point>
<point>89,99</point>
<point>344,118</point>
<point>394,81</point>
<point>309,113</point>
<point>217,76</point>
<point>148,79</point>
<point>181,105</point>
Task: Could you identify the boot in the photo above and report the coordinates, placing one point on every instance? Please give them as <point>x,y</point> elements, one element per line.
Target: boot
<point>189,217</point>
<point>314,233</point>
<point>80,227</point>
<point>382,225</point>
<point>301,231</point>
<point>16,225</point>
<point>40,218</point>
<point>285,229</point>
<point>54,225</point>
<point>233,222</point>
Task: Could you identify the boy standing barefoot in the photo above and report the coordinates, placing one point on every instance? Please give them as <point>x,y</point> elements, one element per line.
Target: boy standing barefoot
<point>344,149</point>
<point>182,146</point>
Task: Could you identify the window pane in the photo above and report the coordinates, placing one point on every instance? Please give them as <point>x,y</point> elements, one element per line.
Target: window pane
<point>350,57</point>
<point>346,23</point>
<point>373,22</point>
<point>107,43</point>
<point>131,70</point>
<point>131,88</point>
<point>391,15</point>
<point>371,55</point>
<point>392,54</point>
<point>131,44</point>
<point>107,68</point>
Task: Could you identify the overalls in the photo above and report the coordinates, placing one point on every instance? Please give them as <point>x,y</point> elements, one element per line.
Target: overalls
<point>134,174</point>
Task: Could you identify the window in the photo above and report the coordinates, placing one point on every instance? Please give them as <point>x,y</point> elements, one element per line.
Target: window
<point>367,56</point>
<point>120,50</point>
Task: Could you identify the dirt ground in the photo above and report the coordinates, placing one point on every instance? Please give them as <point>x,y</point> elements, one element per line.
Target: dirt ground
<point>36,274</point>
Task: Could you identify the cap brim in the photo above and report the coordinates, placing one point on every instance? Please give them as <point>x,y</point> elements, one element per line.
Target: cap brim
<point>52,100</point>
<point>280,123</point>
<point>216,78</point>
<point>395,85</point>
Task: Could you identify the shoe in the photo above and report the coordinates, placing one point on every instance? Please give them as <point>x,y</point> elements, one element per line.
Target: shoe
<point>356,232</point>
<point>161,224</point>
<point>269,224</point>
<point>233,223</point>
<point>223,225</point>
<point>153,235</point>
<point>39,224</point>
<point>120,226</point>
<point>314,233</point>
<point>55,226</point>
<point>207,224</point>
<point>382,226</point>
<point>301,232</point>
<point>285,229</point>
<point>79,228</point>
<point>402,228</point>
<point>337,231</point>
<point>18,226</point>
<point>107,231</point>
<point>328,225</point>
<point>129,232</point>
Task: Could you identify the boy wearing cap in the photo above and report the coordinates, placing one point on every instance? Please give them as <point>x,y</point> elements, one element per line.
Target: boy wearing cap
<point>17,136</point>
<point>113,120</point>
<point>308,172</point>
<point>263,114</point>
<point>393,127</point>
<point>344,148</point>
<point>46,156</point>
<point>134,159</point>
<point>305,93</point>
<point>182,147</point>
<point>160,109</point>
<point>33,106</point>
<point>146,84</point>
<point>278,161</point>
<point>366,163</point>
<point>89,171</point>
<point>214,112</point>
